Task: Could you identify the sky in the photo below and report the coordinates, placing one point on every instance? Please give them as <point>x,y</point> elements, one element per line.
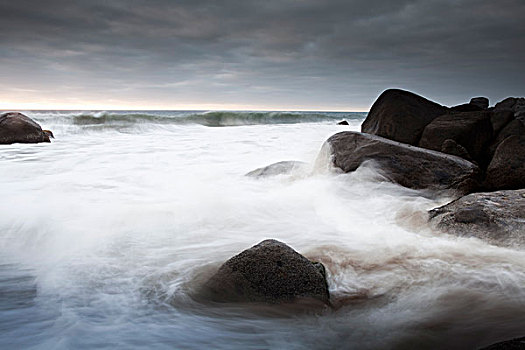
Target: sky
<point>257,55</point>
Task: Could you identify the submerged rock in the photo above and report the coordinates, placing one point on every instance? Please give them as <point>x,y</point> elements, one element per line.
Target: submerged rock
<point>401,116</point>
<point>406,165</point>
<point>496,217</point>
<point>18,128</point>
<point>269,272</point>
<point>279,168</point>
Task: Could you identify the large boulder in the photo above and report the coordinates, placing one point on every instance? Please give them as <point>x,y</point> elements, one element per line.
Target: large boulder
<point>401,116</point>
<point>507,168</point>
<point>496,217</point>
<point>18,128</point>
<point>406,165</point>
<point>286,167</point>
<point>472,130</point>
<point>269,272</point>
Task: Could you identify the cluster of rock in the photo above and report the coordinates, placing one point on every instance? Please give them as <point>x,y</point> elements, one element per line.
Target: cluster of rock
<point>18,128</point>
<point>469,150</point>
<point>492,138</point>
<point>461,151</point>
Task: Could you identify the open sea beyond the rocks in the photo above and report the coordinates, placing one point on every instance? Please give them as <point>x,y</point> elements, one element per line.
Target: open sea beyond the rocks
<point>106,232</point>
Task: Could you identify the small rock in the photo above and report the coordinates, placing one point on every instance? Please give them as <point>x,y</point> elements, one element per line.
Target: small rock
<point>343,122</point>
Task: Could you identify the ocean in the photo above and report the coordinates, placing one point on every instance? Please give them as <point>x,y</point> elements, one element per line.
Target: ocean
<point>107,232</point>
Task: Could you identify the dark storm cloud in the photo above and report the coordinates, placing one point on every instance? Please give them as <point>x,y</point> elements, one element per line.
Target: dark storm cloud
<point>293,53</point>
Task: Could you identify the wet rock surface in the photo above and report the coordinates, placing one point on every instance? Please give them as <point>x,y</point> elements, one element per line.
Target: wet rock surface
<point>270,272</point>
<point>496,217</point>
<point>406,165</point>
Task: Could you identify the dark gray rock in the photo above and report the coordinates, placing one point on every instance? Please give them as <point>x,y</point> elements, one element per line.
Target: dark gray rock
<point>269,272</point>
<point>481,102</point>
<point>496,217</point>
<point>343,122</point>
<point>507,168</point>
<point>18,128</point>
<point>280,168</point>
<point>401,116</point>
<point>472,130</point>
<point>406,165</point>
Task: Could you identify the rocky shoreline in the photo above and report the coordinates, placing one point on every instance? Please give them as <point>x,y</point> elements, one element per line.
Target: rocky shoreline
<point>472,152</point>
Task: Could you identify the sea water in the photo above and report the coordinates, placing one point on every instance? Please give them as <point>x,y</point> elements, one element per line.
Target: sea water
<point>107,232</point>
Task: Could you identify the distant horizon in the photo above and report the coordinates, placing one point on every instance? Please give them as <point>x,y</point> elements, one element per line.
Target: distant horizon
<point>178,110</point>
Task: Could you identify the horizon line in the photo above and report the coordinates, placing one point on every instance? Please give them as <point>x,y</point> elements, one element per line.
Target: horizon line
<point>180,110</point>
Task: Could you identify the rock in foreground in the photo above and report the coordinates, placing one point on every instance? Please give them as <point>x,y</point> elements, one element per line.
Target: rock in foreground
<point>18,128</point>
<point>269,272</point>
<point>496,217</point>
<point>406,165</point>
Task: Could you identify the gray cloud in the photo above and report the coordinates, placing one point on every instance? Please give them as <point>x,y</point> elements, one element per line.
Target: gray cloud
<point>290,53</point>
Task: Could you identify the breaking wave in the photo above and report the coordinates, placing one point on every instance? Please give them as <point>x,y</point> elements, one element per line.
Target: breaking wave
<point>206,118</point>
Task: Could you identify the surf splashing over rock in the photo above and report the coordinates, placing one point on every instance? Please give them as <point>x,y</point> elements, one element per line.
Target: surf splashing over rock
<point>106,233</point>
